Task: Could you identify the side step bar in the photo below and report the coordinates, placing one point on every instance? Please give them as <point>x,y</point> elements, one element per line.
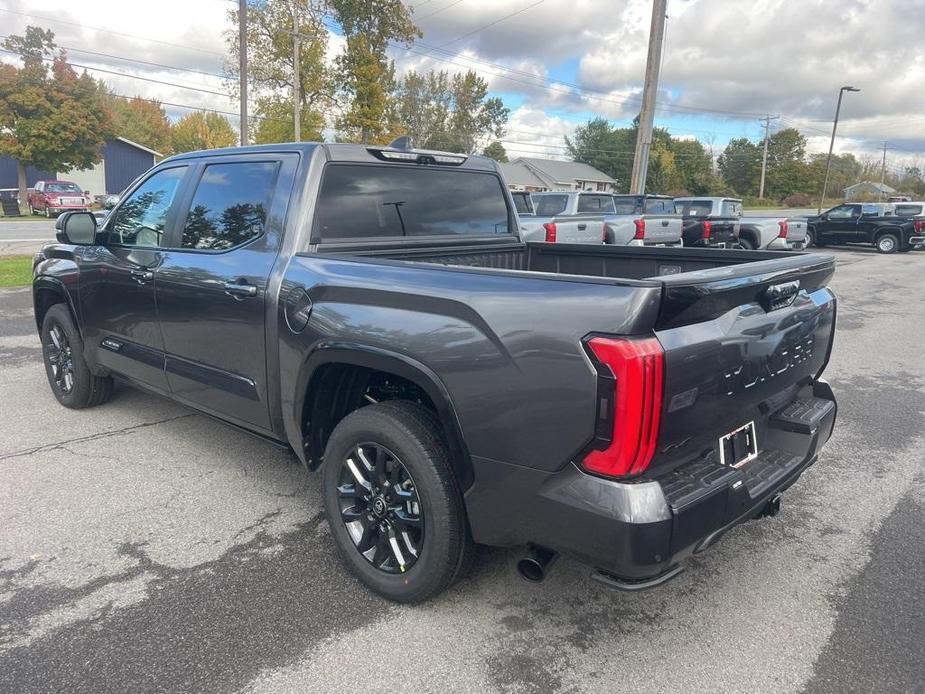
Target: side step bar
<point>608,579</point>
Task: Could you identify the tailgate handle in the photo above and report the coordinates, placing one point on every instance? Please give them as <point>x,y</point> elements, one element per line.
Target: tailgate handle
<point>582,227</point>
<point>780,295</point>
<point>664,222</point>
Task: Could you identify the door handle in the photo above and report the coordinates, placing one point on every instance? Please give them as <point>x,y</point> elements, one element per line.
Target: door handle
<point>142,276</point>
<point>240,290</point>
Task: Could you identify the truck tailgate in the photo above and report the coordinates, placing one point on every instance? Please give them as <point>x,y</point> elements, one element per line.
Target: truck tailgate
<point>662,228</point>
<point>796,229</point>
<point>741,343</point>
<point>569,228</point>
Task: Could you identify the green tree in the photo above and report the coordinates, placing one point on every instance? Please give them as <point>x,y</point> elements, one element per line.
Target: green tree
<point>200,130</point>
<point>50,118</point>
<point>606,148</point>
<point>273,121</point>
<point>787,172</point>
<point>448,113</point>
<point>694,167</point>
<point>662,174</point>
<point>364,75</point>
<point>740,166</point>
<point>495,150</point>
<point>271,66</point>
<point>141,120</point>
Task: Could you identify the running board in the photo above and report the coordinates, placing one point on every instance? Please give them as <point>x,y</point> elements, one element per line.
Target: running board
<point>608,579</point>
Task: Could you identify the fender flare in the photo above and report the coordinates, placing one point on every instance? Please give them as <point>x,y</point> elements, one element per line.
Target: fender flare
<point>55,285</point>
<point>380,359</point>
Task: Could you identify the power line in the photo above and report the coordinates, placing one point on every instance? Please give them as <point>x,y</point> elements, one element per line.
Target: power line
<point>491,24</point>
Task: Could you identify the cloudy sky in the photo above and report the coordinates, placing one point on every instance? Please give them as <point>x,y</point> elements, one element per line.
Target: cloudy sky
<point>558,62</point>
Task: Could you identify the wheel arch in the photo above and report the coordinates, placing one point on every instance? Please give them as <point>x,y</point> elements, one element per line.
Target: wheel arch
<point>46,292</point>
<point>751,233</point>
<point>351,362</point>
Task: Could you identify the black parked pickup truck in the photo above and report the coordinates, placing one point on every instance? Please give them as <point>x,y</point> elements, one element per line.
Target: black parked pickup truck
<point>868,223</point>
<point>374,309</point>
<point>710,222</point>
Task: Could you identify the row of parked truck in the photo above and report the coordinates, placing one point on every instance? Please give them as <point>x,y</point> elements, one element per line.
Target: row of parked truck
<point>711,222</point>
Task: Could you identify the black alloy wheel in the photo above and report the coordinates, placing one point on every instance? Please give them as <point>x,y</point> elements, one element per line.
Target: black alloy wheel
<point>380,508</point>
<point>60,359</point>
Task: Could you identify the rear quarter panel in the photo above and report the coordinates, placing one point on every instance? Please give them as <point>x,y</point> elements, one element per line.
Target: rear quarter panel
<point>505,345</point>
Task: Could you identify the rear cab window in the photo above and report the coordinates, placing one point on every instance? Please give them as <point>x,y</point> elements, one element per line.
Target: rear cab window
<point>522,203</point>
<point>627,204</point>
<point>659,206</point>
<point>908,210</point>
<point>595,204</point>
<point>550,205</point>
<point>694,208</point>
<point>361,201</point>
<point>731,208</point>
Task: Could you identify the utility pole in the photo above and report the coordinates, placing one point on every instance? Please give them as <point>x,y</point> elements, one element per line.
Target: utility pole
<point>882,175</point>
<point>242,66</point>
<point>828,162</point>
<point>649,90</point>
<point>296,80</point>
<point>764,158</point>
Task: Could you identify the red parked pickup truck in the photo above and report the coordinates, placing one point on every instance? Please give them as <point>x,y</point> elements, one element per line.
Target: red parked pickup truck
<point>51,198</point>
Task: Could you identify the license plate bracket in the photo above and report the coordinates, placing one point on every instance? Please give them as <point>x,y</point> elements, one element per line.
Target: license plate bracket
<point>738,446</point>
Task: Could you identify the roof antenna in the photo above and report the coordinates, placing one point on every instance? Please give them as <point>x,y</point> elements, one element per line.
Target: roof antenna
<point>401,142</point>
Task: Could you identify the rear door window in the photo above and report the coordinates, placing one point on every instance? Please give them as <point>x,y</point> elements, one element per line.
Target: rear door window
<point>550,205</point>
<point>229,207</point>
<point>361,202</point>
<point>595,204</point>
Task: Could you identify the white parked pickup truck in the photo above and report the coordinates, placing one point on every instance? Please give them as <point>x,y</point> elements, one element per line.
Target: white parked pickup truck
<point>588,217</point>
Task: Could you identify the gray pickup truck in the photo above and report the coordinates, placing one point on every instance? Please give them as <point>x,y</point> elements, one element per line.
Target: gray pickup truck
<point>619,225</point>
<point>374,310</point>
<point>773,233</point>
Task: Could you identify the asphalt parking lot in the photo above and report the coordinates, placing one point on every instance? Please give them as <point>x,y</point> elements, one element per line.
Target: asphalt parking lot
<point>145,548</point>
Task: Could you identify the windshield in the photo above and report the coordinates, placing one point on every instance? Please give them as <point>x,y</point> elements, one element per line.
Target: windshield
<point>62,188</point>
<point>359,201</point>
<point>549,205</point>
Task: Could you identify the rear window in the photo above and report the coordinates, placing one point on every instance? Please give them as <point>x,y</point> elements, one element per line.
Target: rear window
<point>694,208</point>
<point>522,203</point>
<point>731,208</point>
<point>626,204</point>
<point>908,210</point>
<point>657,206</point>
<point>358,202</point>
<point>550,205</point>
<point>597,204</point>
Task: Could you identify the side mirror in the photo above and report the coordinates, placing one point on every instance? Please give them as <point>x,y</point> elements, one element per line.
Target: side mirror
<point>78,228</point>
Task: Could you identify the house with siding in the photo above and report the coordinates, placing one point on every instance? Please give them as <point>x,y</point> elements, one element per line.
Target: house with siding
<point>868,190</point>
<point>123,161</point>
<point>534,174</point>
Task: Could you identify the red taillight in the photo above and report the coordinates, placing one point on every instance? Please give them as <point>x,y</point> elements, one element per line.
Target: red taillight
<point>918,225</point>
<point>640,228</point>
<point>784,229</point>
<point>707,229</point>
<point>638,375</point>
<point>550,228</point>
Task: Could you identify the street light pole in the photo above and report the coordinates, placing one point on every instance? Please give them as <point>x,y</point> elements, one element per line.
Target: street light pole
<point>828,162</point>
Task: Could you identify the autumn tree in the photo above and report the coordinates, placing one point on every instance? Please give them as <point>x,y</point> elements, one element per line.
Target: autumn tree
<point>141,120</point>
<point>364,75</point>
<point>495,150</point>
<point>50,117</point>
<point>200,130</point>
<point>271,66</point>
<point>740,165</point>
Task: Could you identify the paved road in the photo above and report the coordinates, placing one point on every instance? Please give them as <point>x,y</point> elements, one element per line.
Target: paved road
<point>25,237</point>
<point>147,549</point>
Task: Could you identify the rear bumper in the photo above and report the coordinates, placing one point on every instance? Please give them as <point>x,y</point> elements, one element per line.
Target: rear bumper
<point>780,244</point>
<point>640,530</point>
<point>916,240</point>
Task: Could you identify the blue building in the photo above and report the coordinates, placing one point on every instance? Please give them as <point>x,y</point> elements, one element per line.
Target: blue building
<point>123,161</point>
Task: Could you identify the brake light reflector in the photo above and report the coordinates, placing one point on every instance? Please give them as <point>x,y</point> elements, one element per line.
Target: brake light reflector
<point>550,228</point>
<point>707,229</point>
<point>638,368</point>
<point>640,228</point>
<point>784,229</point>
<point>918,225</point>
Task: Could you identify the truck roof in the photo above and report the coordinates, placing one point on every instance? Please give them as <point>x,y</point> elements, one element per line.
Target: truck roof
<point>355,153</point>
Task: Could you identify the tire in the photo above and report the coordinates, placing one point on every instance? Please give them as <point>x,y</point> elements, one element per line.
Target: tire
<point>746,244</point>
<point>409,435</point>
<point>810,239</point>
<point>70,378</point>
<point>887,243</point>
